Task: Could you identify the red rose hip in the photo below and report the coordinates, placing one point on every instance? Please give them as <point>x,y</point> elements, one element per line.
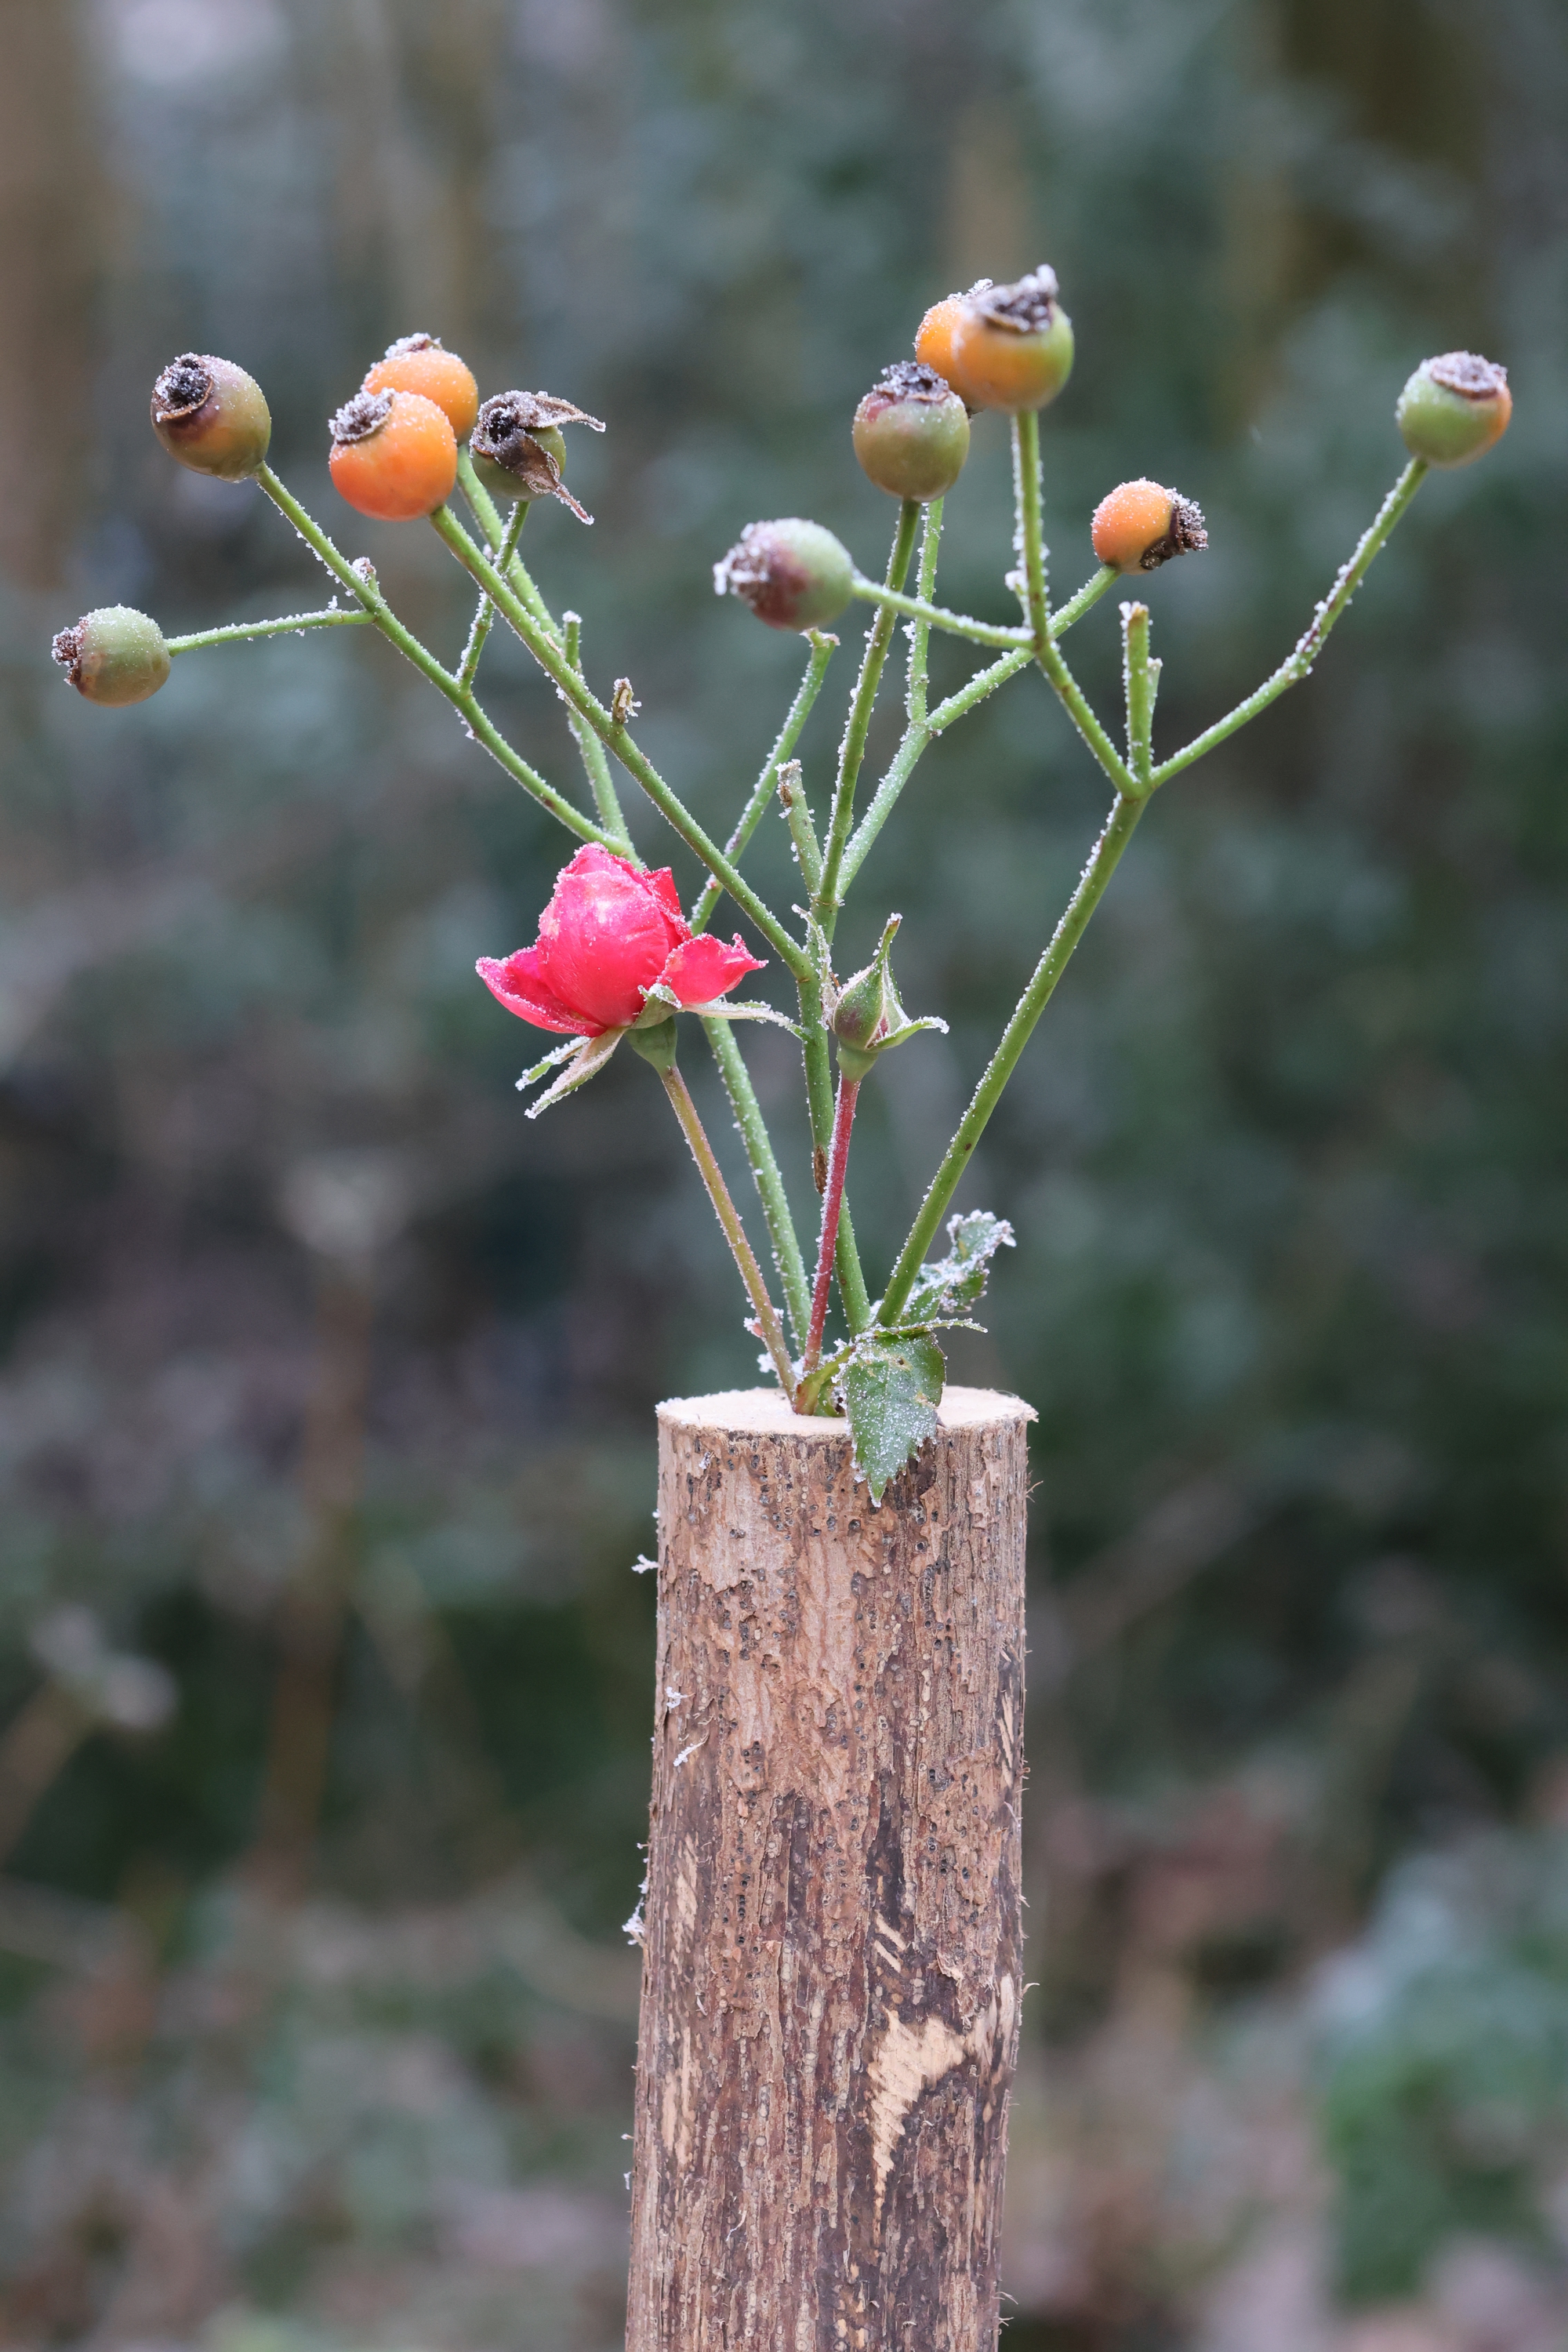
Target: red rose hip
<point>793,573</point>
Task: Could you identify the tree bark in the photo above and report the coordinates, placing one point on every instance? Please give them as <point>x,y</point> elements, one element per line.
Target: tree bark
<point>833,1938</point>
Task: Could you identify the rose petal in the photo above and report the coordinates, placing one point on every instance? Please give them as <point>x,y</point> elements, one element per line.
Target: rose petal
<point>603,939</point>
<point>703,968</point>
<point>662,884</point>
<point>515,981</point>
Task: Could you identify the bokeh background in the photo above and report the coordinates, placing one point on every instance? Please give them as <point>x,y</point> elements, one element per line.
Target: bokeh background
<point>325,1405</point>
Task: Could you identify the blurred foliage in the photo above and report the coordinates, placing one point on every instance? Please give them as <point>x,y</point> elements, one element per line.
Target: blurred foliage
<point>327,1381</point>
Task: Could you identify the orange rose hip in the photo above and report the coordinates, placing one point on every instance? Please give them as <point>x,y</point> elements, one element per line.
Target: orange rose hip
<point>421,363</point>
<point>394,454</point>
<point>1140,525</point>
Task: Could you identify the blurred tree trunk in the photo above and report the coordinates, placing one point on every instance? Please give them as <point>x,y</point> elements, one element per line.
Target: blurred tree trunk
<point>48,215</point>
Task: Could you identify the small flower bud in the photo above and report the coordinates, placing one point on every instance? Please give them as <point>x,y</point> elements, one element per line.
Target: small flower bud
<point>1140,525</point>
<point>1008,347</point>
<point>866,1008</point>
<point>912,433</point>
<point>115,655</point>
<point>793,573</point>
<point>212,416</point>
<point>1454,408</point>
<point>421,363</point>
<point>394,454</point>
<point>517,449</point>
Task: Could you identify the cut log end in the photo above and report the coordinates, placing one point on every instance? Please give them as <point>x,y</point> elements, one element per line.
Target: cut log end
<point>833,1963</point>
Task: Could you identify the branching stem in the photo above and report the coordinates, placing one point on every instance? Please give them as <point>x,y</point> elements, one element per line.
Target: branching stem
<point>1300,662</point>
<point>1103,860</point>
<point>617,739</point>
<point>362,583</point>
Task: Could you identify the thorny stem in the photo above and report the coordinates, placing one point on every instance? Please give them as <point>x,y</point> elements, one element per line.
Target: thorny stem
<point>331,617</point>
<point>1298,663</point>
<point>484,611</point>
<point>752,1128</point>
<point>832,1208</point>
<point>1140,678</point>
<point>1103,860</point>
<point>823,648</point>
<point>852,751</point>
<point>614,734</point>
<point>363,585</point>
<point>768,1328</point>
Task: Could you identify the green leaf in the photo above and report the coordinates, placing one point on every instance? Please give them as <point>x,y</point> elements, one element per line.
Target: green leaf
<point>891,1390</point>
<point>949,1284</point>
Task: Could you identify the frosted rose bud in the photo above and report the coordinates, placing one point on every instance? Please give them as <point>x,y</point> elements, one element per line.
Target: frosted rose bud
<point>610,934</point>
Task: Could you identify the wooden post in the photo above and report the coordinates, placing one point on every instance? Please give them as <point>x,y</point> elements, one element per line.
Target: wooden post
<point>832,1927</point>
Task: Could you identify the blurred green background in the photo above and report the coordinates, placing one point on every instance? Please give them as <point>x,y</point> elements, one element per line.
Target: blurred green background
<point>325,1407</point>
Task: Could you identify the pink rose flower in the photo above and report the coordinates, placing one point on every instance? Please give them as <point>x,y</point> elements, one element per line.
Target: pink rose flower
<point>610,933</point>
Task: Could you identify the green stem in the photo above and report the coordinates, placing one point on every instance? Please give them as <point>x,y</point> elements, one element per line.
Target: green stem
<point>596,766</point>
<point>1123,818</point>
<point>487,514</point>
<point>485,612</point>
<point>957,625</point>
<point>1042,637</point>
<point>752,1128</point>
<point>618,739</point>
<point>1087,596</point>
<point>802,830</point>
<point>1140,676</point>
<point>918,739</point>
<point>361,581</point>
<point>852,1289</point>
<point>1026,500</point>
<point>768,1328</point>
<point>823,648</point>
<point>852,751</point>
<point>233,632</point>
<point>1298,663</point>
<point>916,690</point>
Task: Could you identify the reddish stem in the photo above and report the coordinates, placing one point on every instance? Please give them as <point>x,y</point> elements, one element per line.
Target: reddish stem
<point>832,1208</point>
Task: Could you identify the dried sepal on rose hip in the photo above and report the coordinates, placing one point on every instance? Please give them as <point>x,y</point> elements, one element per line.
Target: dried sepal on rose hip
<point>114,657</point>
<point>1007,347</point>
<point>519,450</point>
<point>422,363</point>
<point>212,416</point>
<point>912,433</point>
<point>394,454</point>
<point>1140,525</point>
<point>1454,408</point>
<point>793,573</point>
